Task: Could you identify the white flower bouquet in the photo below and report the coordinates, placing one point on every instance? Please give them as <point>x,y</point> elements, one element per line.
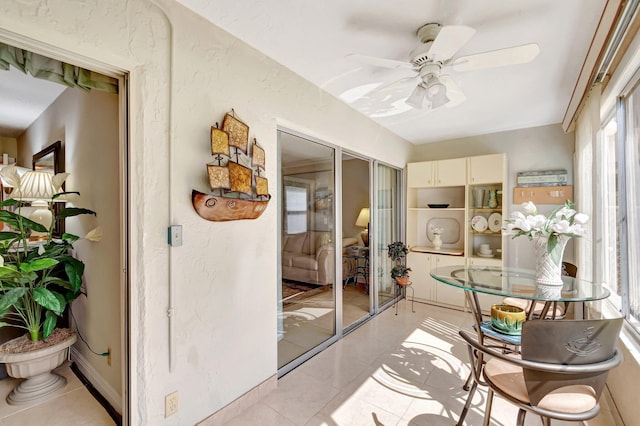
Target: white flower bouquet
<point>563,222</point>
<point>435,231</point>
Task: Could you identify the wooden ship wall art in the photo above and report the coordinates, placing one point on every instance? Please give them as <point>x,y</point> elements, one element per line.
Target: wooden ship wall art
<point>238,189</point>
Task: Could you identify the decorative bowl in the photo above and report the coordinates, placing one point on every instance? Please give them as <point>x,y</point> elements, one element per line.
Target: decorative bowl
<point>437,206</point>
<point>507,319</point>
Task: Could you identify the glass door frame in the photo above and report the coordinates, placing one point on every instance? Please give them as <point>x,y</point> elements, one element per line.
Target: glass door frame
<point>337,215</point>
<point>374,307</point>
<point>401,229</point>
<point>372,284</point>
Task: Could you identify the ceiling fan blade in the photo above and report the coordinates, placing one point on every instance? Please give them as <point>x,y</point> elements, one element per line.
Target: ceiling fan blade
<point>386,100</point>
<point>380,62</point>
<point>393,91</point>
<point>455,95</point>
<point>497,58</point>
<point>449,40</point>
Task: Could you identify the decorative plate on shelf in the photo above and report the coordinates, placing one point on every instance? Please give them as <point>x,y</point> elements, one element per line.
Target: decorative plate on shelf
<point>437,206</point>
<point>486,255</point>
<point>479,223</point>
<point>495,222</point>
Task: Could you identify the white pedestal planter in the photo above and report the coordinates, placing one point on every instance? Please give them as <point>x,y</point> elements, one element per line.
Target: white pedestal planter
<point>35,367</point>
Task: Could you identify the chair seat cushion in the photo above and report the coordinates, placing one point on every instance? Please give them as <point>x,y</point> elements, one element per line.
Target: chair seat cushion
<point>570,399</point>
<point>508,378</point>
<point>489,332</point>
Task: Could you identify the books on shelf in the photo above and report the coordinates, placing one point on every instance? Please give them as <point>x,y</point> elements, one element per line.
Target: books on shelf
<point>543,178</point>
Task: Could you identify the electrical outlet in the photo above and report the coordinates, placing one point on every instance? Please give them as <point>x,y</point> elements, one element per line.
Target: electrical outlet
<point>171,404</point>
<point>109,357</point>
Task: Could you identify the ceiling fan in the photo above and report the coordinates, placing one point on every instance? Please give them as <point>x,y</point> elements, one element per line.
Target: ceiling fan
<point>438,45</point>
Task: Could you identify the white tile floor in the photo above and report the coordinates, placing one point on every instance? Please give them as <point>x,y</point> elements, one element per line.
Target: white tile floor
<point>394,370</point>
<point>71,405</point>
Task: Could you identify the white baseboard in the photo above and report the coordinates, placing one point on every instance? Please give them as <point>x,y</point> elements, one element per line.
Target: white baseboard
<point>101,385</point>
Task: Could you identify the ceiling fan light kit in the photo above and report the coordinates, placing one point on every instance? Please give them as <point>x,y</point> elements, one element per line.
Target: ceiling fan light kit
<point>416,99</point>
<point>438,45</point>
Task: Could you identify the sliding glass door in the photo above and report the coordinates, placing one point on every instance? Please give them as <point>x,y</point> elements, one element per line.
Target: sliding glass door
<point>356,265</point>
<point>387,226</point>
<point>306,293</point>
<point>334,268</point>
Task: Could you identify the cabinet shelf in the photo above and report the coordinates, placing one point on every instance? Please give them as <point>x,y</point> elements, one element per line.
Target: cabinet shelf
<point>487,233</point>
<point>496,257</point>
<point>486,209</point>
<point>459,209</point>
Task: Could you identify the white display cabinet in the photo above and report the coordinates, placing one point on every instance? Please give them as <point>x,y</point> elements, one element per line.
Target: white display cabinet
<point>440,194</point>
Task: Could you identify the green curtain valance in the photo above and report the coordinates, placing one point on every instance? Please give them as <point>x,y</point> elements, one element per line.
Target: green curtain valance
<point>53,70</point>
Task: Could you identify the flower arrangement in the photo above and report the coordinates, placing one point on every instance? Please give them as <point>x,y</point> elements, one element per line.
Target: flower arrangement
<point>435,231</point>
<point>562,223</point>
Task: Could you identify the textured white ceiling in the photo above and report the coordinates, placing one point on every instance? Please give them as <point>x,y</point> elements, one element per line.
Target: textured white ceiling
<point>313,38</point>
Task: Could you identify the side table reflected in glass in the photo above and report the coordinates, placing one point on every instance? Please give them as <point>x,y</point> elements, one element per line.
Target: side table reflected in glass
<point>357,259</point>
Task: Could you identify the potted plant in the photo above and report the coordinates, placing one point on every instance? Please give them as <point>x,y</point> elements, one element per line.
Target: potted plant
<point>397,252</point>
<point>38,281</point>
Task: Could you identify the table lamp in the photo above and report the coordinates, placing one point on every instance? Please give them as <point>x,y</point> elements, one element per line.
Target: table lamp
<point>39,189</point>
<point>363,221</point>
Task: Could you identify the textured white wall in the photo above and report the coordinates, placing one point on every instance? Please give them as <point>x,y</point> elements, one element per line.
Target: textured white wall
<point>536,148</point>
<point>87,124</point>
<point>186,74</point>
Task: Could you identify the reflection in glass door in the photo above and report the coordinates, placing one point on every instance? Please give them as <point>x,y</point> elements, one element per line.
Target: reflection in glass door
<point>387,227</point>
<point>356,293</point>
<point>306,295</point>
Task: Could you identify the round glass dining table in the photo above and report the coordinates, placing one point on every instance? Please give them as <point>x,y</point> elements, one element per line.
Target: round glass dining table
<point>509,282</point>
<point>515,282</point>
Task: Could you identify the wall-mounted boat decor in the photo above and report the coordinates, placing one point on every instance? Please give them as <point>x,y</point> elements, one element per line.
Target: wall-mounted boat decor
<point>234,175</point>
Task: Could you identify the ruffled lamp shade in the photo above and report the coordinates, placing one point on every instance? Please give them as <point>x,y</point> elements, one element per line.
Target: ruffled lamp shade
<point>38,188</point>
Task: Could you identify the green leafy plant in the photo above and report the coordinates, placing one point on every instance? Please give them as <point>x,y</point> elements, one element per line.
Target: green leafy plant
<point>397,252</point>
<point>38,280</point>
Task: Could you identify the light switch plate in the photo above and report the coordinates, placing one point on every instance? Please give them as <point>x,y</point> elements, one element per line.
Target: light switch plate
<point>175,235</point>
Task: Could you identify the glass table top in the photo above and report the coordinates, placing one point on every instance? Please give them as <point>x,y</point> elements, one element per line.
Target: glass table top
<point>514,282</point>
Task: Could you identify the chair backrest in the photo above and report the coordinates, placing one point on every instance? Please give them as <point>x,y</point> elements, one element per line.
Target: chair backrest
<point>569,269</point>
<point>579,342</point>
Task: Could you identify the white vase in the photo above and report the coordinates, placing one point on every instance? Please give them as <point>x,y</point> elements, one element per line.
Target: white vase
<point>549,272</point>
<point>437,241</point>
<point>35,367</point>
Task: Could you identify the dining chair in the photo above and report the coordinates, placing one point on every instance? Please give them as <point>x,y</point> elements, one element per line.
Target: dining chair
<point>560,373</point>
<point>557,311</point>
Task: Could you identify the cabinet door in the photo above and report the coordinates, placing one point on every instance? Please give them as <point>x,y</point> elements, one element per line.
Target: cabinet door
<point>486,169</point>
<point>420,278</point>
<point>420,174</point>
<point>446,293</point>
<point>451,172</point>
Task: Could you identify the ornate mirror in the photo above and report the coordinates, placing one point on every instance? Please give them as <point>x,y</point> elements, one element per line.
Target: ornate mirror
<point>51,160</point>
